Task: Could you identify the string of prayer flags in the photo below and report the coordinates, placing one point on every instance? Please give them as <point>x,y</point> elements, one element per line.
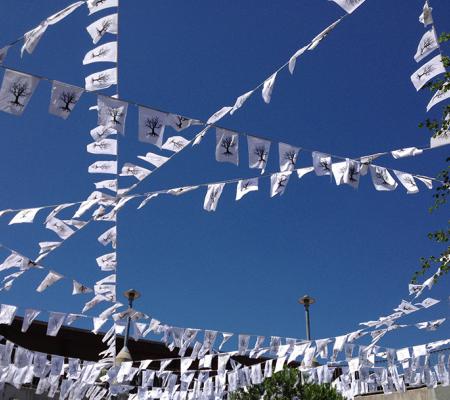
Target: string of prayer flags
<point>104,53</point>
<point>430,325</point>
<point>227,146</point>
<point>112,113</point>
<point>63,99</point>
<point>16,91</point>
<point>349,5</point>
<point>258,152</point>
<point>99,28</point>
<point>322,35</point>
<point>212,196</point>
<point>428,71</point>
<point>101,80</point>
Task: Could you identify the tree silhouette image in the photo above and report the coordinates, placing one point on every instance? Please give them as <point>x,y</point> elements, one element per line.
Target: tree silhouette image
<point>428,42</point>
<point>106,24</point>
<point>153,124</point>
<point>290,156</point>
<point>382,178</point>
<point>18,90</point>
<point>101,52</point>
<point>281,183</point>
<point>324,164</point>
<point>180,121</point>
<point>353,173</point>
<point>261,152</point>
<point>101,78</point>
<point>68,98</point>
<point>115,114</point>
<point>228,143</point>
<point>425,72</point>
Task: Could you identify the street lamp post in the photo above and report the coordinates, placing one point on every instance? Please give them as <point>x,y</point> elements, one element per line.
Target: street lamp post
<point>307,301</point>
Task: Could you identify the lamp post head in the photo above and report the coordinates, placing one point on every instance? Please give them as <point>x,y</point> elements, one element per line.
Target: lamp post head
<point>132,294</point>
<point>306,300</point>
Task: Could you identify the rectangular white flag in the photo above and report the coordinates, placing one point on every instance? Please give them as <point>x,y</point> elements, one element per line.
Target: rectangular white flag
<point>246,186</point>
<point>105,53</point>
<point>109,237</point>
<point>268,88</point>
<point>151,126</point>
<point>103,167</point>
<point>59,227</point>
<point>278,183</point>
<point>7,313</point>
<point>428,71</point>
<point>154,159</point>
<point>407,180</point>
<point>322,163</point>
<point>99,5</point>
<point>63,99</point>
<point>55,321</point>
<point>382,179</point>
<point>349,5</point>
<point>51,278</point>
<point>288,156</point>
<point>101,80</point>
<point>104,146</point>
<point>102,26</point>
<point>227,146</point>
<point>24,216</point>
<point>29,316</point>
<point>112,113</point>
<point>16,91</point>
<point>212,196</point>
<point>258,152</point>
<point>427,45</point>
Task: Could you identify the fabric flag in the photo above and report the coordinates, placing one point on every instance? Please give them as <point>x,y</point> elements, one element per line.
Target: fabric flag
<point>240,101</point>
<point>301,172</point>
<point>151,126</point>
<point>63,99</point>
<point>112,113</point>
<point>227,146</point>
<point>415,289</point>
<point>430,325</point>
<point>246,186</point>
<point>51,278</point>
<point>104,146</point>
<point>268,88</point>
<point>103,167</point>
<point>352,173</point>
<point>338,170</point>
<point>78,288</point>
<point>3,53</point>
<point>110,184</point>
<point>60,15</point>
<point>428,71</point>
<point>322,35</point>
<point>32,38</point>
<point>24,216</point>
<point>98,5</point>
<point>99,28</point>
<point>429,302</point>
<point>406,307</point>
<point>218,115</point>
<point>16,91</point>
<point>101,80</point>
<point>322,347</point>
<point>366,161</point>
<point>55,321</point>
<point>426,18</point>
<point>258,152</point>
<point>98,323</point>
<point>427,45</point>
<point>293,59</point>
<point>175,144</point>
<point>105,53</point>
<point>339,345</point>
<point>243,344</point>
<point>29,316</point>
<point>349,5</point>
<point>407,180</point>
<point>109,237</point>
<point>199,136</point>
<point>408,152</point>
<point>225,338</point>
<point>288,156</point>
<point>7,313</point>
<point>147,199</point>
<point>278,183</point>
<point>139,173</point>
<point>428,182</point>
<point>212,196</point>
<point>439,96</point>
<point>154,159</point>
<point>59,227</point>
<point>179,123</point>
<point>382,179</point>
<point>322,163</point>
<point>102,132</point>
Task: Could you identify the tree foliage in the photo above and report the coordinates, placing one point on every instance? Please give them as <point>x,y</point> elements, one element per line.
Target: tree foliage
<point>287,385</point>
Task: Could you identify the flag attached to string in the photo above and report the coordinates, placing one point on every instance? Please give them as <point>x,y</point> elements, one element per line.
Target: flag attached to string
<point>426,18</point>
<point>258,152</point>
<point>246,186</point>
<point>407,152</point>
<point>212,196</point>
<point>440,95</point>
<point>151,126</point>
<point>16,91</point>
<point>139,173</point>
<point>105,146</point>
<point>278,183</point>
<point>382,179</point>
<point>428,43</point>
<point>63,99</point>
<point>240,101</point>
<point>175,144</point>
<point>101,80</point>
<point>227,146</point>
<point>51,278</point>
<point>218,115</point>
<point>99,28</point>
<point>99,5</point>
<point>105,53</point>
<point>293,59</point>
<point>103,167</point>
<point>32,38</point>
<point>55,321</point>
<point>321,163</point>
<point>25,216</point>
<point>268,88</point>
<point>154,159</point>
<point>29,316</point>
<point>428,71</point>
<point>4,53</point>
<point>349,5</point>
<point>407,180</point>
<point>112,113</point>
<point>288,156</point>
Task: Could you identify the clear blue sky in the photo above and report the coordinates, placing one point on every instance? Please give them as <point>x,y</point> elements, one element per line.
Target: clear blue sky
<point>242,268</point>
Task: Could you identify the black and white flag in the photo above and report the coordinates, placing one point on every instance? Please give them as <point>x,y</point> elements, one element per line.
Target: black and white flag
<point>407,180</point>
<point>102,26</point>
<point>101,80</point>
<point>212,196</point>
<point>321,163</point>
<point>99,5</point>
<point>227,146</point>
<point>112,113</point>
<point>288,156</point>
<point>427,45</point>
<point>151,126</point>
<point>352,173</point>
<point>63,99</point>
<point>105,53</point>
<point>105,146</point>
<point>278,183</point>
<point>258,152</point>
<point>349,5</point>
<point>16,91</point>
<point>246,186</point>
<point>382,179</point>
<point>428,71</point>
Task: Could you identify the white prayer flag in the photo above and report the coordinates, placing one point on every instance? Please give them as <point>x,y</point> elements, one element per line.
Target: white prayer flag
<point>51,278</point>
<point>101,80</point>
<point>59,227</point>
<point>104,146</point>
<point>301,172</point>
<point>110,184</point>
<point>322,35</point>
<point>98,323</point>
<point>258,152</point>
<point>139,173</point>
<point>339,345</point>
<point>147,199</point>
<point>280,364</point>
<point>7,313</point>
<point>63,99</point>
<point>246,186</point>
<point>102,132</point>
<point>3,53</point>
<point>403,354</point>
<point>293,59</point>
<point>103,167</point>
<point>112,113</point>
<point>78,288</point>
<point>407,180</point>
<point>430,325</point>
<point>105,53</point>
<point>408,152</point>
<point>338,170</point>
<point>151,126</point>
<point>406,307</point>
<point>419,351</point>
<point>154,159</point>
<point>429,302</point>
<point>427,45</point>
<point>428,71</point>
<point>109,237</point>
<point>179,123</point>
<point>240,101</point>
<point>268,88</point>
<point>382,179</point>
<point>29,316</point>
<point>278,183</point>
<point>227,146</point>
<point>32,38</point>
<point>16,91</point>
<point>428,182</point>
<point>218,115</point>
<point>225,338</point>
<point>98,5</point>
<point>199,136</point>
<point>55,321</point>
<point>426,18</point>
<point>212,196</point>
<point>107,262</point>
<point>60,15</point>
<point>352,173</point>
<point>243,342</point>
<point>24,216</point>
<point>322,163</point>
<point>322,347</point>
<point>175,144</point>
<point>349,5</point>
<point>439,96</point>
<point>99,28</point>
<point>288,156</point>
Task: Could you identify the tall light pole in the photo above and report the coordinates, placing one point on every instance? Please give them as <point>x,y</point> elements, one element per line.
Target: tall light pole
<point>307,301</point>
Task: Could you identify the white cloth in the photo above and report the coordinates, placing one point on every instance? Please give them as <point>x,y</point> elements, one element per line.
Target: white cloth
<point>428,302</point>
<point>430,325</point>
<point>428,182</point>
<point>60,15</point>
<point>218,115</point>
<point>227,146</point>
<point>108,237</point>
<point>55,321</point>
<point>29,316</point>
<point>139,173</point>
<point>105,53</point>
<point>349,5</point>
<point>268,88</point>
<point>240,101</point>
<point>301,172</point>
<point>258,152</point>
<point>32,38</point>
<point>407,152</point>
<point>24,216</point>
<point>102,132</point>
<point>98,5</point>
<point>151,126</point>
<point>179,123</point>
<point>212,196</point>
<point>352,173</point>
<point>98,323</point>
<point>147,199</point>
<point>382,179</point>
<point>78,288</point>
<point>246,186</point>
<point>426,18</point>
<point>101,80</point>
<point>110,184</point>
<point>51,278</point>
<point>439,96</point>
<point>107,262</point>
<point>154,159</point>
<point>16,91</point>
<point>63,99</point>
<point>293,59</point>
<point>427,45</point>
<point>175,144</point>
<point>7,313</point>
<point>3,53</point>
<point>288,156</point>
<point>428,71</point>
<point>338,170</point>
<point>243,342</point>
<point>103,167</point>
<point>407,180</point>
<point>112,113</point>
<point>322,35</point>
<point>339,345</point>
<point>99,28</point>
<point>406,307</point>
<point>59,227</point>
<point>403,354</point>
<point>104,146</point>
<point>321,163</point>
<point>278,183</point>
